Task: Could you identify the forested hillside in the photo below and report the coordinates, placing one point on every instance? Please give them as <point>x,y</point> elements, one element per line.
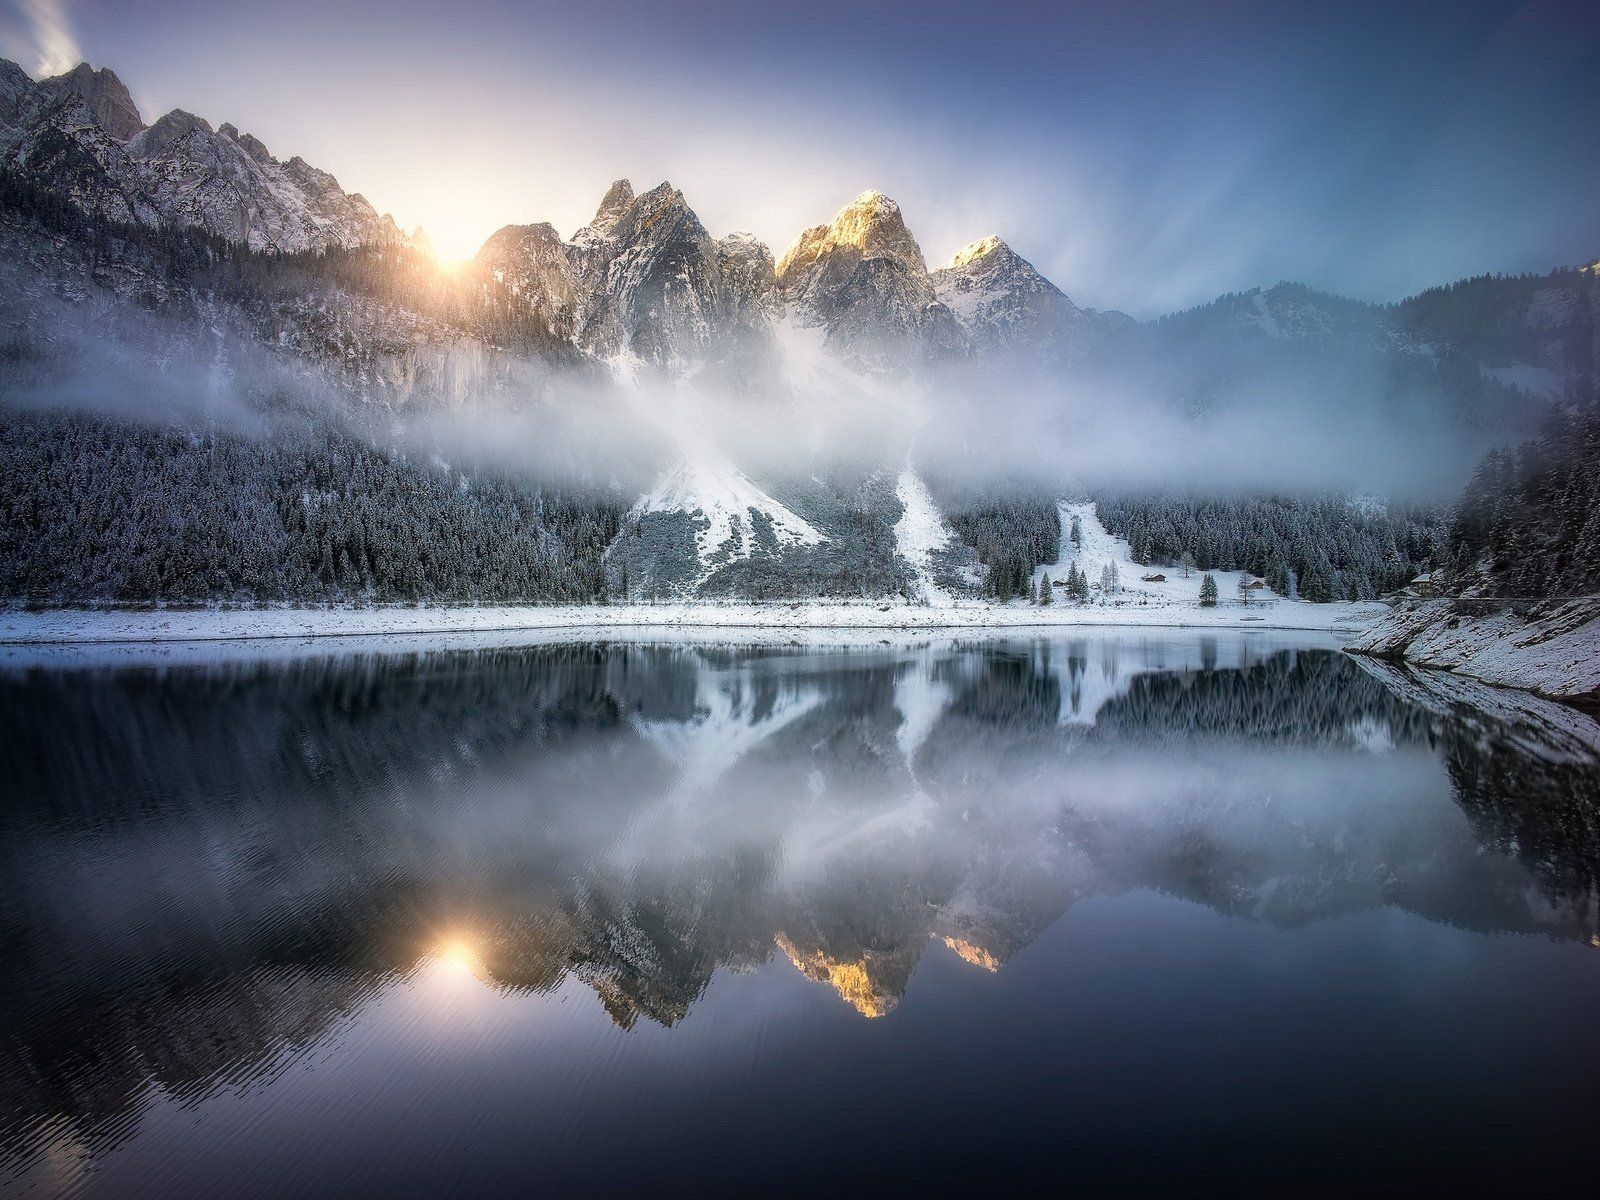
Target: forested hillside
<point>1011,532</point>
<point>95,509</point>
<point>1319,548</point>
<point>1528,525</point>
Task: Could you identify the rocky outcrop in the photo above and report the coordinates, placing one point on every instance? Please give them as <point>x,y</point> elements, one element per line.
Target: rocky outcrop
<point>229,184</point>
<point>1005,306</point>
<point>661,297</point>
<point>536,268</point>
<point>1552,650</point>
<point>105,95</point>
<point>864,280</point>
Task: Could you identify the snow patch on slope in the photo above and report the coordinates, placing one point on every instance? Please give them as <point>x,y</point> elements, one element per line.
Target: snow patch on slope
<point>1099,546</point>
<point>722,498</point>
<point>920,531</point>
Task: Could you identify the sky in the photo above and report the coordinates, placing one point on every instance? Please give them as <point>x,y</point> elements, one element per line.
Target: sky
<point>1145,156</point>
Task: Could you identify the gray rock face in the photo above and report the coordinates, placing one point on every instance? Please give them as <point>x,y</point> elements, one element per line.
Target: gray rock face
<point>17,98</point>
<point>871,226</point>
<point>167,131</point>
<point>613,206</point>
<point>104,93</point>
<point>863,278</point>
<point>643,279</point>
<point>747,269</point>
<point>533,264</point>
<point>58,146</point>
<point>662,296</point>
<point>229,184</point>
<point>81,135</point>
<point>1006,306</point>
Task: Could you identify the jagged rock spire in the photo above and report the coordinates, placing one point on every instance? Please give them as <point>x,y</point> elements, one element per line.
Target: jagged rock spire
<point>617,199</point>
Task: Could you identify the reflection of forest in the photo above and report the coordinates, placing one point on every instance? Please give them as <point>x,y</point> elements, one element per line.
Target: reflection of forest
<point>214,867</point>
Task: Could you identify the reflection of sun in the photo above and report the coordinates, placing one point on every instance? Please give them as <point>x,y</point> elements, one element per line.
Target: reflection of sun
<point>458,958</point>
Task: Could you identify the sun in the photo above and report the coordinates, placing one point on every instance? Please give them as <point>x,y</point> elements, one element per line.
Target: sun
<point>452,248</point>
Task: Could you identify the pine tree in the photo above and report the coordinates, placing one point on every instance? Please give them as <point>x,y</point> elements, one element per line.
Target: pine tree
<point>1208,592</point>
<point>1046,592</point>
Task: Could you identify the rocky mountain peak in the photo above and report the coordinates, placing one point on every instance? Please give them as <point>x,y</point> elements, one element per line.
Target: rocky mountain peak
<point>649,209</point>
<point>533,263</point>
<point>871,225</point>
<point>166,132</point>
<point>519,237</point>
<point>980,249</point>
<point>105,95</point>
<point>615,203</point>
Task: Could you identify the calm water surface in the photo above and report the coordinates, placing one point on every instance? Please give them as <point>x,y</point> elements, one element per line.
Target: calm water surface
<point>1166,908</point>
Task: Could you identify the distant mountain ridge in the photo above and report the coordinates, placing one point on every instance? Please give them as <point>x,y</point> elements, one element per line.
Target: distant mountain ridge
<point>645,284</point>
<point>82,134</point>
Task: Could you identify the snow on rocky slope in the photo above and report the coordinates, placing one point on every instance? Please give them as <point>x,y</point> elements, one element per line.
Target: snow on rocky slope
<point>1553,651</point>
<point>81,133</point>
<point>725,505</point>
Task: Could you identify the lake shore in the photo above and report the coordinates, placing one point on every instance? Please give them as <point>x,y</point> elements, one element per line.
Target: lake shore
<point>72,626</point>
<point>1552,651</point>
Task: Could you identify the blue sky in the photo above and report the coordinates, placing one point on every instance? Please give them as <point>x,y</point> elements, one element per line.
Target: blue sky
<point>1146,156</point>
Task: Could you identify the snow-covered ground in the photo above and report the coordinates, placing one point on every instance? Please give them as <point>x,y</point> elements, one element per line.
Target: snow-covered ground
<point>920,531</point>
<point>211,624</point>
<point>1176,595</point>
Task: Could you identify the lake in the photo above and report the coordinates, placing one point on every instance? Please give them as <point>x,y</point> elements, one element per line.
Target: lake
<point>1127,909</point>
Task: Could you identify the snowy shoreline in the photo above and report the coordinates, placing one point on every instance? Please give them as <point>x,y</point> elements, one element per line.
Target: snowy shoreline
<point>1554,652</point>
<point>66,626</point>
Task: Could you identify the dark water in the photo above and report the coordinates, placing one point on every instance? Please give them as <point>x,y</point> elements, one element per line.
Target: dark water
<point>781,921</point>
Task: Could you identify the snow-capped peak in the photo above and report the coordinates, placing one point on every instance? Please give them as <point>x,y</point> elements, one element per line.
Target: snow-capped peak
<point>973,251</point>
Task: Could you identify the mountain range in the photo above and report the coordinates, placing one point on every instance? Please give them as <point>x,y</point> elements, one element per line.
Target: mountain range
<point>727,382</point>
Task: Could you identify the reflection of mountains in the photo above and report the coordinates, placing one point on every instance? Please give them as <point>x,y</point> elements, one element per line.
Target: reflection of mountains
<point>215,868</point>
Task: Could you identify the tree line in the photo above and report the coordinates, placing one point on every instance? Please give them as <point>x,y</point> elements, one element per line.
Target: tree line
<point>94,509</point>
<point>1318,548</point>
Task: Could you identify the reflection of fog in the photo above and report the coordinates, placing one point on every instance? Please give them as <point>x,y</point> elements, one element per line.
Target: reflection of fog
<point>214,868</point>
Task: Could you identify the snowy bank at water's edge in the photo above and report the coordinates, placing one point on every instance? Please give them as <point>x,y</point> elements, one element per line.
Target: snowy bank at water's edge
<point>213,624</point>
<point>1554,650</point>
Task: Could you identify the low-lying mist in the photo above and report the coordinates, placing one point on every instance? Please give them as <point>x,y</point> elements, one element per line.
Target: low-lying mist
<point>1198,416</point>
